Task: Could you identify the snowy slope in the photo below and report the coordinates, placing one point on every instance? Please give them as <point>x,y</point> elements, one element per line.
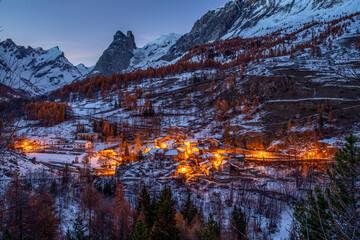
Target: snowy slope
<point>274,15</point>
<point>150,55</point>
<point>248,18</point>
<point>36,71</point>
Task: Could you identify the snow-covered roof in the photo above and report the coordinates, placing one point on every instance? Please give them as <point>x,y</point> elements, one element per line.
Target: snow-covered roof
<point>204,162</point>
<point>81,141</point>
<point>155,150</point>
<point>88,134</point>
<point>172,152</point>
<point>207,155</point>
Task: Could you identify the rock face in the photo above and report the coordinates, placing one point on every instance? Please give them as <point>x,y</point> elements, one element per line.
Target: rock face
<point>36,71</point>
<point>116,58</point>
<point>211,26</point>
<point>246,18</point>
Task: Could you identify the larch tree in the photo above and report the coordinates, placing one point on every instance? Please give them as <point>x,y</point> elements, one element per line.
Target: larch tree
<point>89,200</point>
<point>123,213</point>
<point>41,219</point>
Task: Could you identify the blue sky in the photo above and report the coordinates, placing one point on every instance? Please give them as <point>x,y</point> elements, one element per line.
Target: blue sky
<point>84,28</point>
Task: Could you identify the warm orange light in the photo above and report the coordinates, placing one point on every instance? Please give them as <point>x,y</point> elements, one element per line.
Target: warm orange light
<point>183,170</point>
<point>164,145</point>
<point>217,155</point>
<point>262,153</point>
<point>25,143</point>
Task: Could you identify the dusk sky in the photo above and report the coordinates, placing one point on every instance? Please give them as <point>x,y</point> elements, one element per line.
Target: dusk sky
<point>83,29</point>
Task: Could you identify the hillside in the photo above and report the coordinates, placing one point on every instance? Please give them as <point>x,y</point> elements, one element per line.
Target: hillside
<point>282,91</point>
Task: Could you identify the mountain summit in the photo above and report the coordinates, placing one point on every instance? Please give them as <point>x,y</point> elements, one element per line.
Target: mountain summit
<point>117,56</point>
<point>34,70</point>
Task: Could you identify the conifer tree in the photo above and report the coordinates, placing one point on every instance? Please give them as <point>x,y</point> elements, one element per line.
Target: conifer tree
<point>189,210</point>
<point>144,206</point>
<point>210,230</point>
<point>141,232</point>
<point>78,232</point>
<point>334,213</point>
<point>239,223</point>
<point>165,224</point>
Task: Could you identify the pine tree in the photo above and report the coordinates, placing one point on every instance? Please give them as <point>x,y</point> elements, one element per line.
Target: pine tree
<point>334,213</point>
<point>312,216</point>
<point>165,224</point>
<point>189,210</point>
<point>239,223</point>
<point>210,230</point>
<point>344,193</point>
<point>141,232</point>
<point>79,231</point>
<point>144,206</point>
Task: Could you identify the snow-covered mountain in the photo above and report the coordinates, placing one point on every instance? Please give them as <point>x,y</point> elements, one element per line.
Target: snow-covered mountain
<point>123,55</point>
<point>36,71</point>
<point>247,18</point>
<point>238,18</point>
<point>150,55</point>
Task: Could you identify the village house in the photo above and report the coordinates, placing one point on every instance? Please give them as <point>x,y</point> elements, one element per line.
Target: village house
<point>111,153</point>
<point>62,143</point>
<point>172,154</point>
<point>224,168</point>
<point>88,136</point>
<point>208,156</point>
<point>154,154</point>
<point>234,158</point>
<point>82,144</point>
<point>206,166</point>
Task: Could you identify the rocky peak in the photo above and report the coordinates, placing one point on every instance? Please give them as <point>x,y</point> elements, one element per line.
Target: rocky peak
<point>131,40</point>
<point>212,26</point>
<point>7,43</point>
<point>116,58</point>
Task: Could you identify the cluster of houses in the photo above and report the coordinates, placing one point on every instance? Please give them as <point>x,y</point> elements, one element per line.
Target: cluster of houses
<point>82,142</point>
<point>200,156</point>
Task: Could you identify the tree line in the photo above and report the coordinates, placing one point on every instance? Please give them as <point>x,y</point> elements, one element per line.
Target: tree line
<point>48,113</point>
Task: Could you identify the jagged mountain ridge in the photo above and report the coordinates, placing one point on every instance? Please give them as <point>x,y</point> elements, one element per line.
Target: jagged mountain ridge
<point>238,18</point>
<point>246,18</point>
<point>34,70</point>
<point>123,55</point>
